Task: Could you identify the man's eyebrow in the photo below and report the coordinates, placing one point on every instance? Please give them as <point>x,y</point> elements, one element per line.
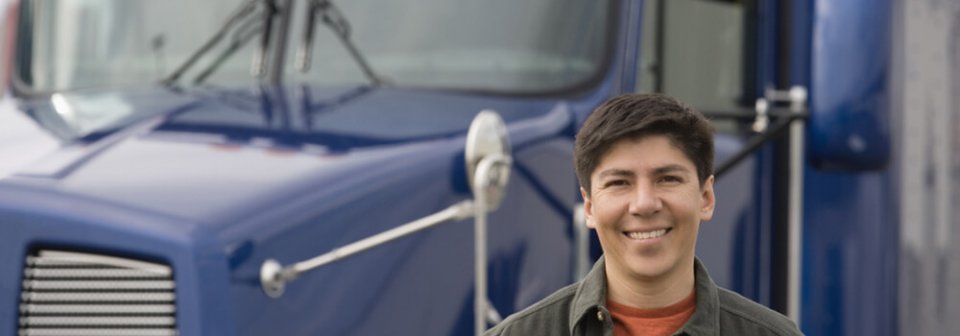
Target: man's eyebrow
<point>616,172</point>
<point>670,169</point>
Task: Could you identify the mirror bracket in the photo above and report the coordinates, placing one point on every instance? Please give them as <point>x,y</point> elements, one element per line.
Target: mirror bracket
<point>488,165</point>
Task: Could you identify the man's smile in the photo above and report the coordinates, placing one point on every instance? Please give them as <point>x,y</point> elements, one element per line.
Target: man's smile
<point>644,235</point>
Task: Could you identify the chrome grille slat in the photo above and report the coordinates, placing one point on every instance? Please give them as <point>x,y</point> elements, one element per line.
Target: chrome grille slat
<point>97,285</point>
<point>67,293</point>
<point>95,259</point>
<point>110,321</point>
<point>97,297</point>
<point>76,309</point>
<point>91,273</point>
<point>98,332</point>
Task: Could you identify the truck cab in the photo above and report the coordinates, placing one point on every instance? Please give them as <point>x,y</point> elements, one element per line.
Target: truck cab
<point>270,166</point>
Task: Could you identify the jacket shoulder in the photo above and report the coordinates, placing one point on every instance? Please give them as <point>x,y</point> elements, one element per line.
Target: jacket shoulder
<point>549,316</point>
<point>740,313</point>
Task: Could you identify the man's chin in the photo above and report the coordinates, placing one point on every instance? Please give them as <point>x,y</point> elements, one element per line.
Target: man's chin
<point>649,269</point>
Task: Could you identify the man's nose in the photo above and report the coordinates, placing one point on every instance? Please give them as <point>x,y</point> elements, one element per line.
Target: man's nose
<point>645,202</point>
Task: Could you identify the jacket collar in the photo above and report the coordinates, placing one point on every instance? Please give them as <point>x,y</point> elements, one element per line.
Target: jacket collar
<point>592,295</point>
<point>706,319</point>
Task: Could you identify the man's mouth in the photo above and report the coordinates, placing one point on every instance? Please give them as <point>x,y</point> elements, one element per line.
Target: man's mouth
<point>642,235</point>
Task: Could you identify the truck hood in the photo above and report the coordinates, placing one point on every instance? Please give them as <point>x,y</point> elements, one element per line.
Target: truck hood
<point>215,157</point>
<point>21,140</point>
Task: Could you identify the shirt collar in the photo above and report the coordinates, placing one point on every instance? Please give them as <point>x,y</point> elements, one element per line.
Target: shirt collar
<point>592,294</point>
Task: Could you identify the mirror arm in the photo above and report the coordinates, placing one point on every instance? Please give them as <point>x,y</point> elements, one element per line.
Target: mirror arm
<point>488,163</point>
<point>489,174</point>
<point>797,113</point>
<point>773,131</point>
<point>273,276</point>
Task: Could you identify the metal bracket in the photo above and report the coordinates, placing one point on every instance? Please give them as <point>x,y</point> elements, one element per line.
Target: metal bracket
<point>783,121</point>
<point>488,162</point>
<point>796,97</point>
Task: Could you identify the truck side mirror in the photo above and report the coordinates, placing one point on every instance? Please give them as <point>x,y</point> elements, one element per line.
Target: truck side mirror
<point>849,125</point>
<point>487,137</point>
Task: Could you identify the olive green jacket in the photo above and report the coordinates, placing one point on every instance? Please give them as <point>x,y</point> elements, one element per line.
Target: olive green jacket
<point>580,309</point>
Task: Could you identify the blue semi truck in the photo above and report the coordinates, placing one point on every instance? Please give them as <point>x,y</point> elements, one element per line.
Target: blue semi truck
<point>315,167</point>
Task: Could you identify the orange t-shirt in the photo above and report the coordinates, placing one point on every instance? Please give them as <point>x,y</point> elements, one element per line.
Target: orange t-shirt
<point>651,322</point>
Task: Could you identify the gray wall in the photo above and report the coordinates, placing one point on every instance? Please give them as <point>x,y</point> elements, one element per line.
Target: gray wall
<point>926,84</point>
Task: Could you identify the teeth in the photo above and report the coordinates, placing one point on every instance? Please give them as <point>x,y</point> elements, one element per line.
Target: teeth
<point>647,235</point>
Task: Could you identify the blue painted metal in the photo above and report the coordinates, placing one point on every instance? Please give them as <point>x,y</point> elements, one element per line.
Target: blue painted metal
<point>239,175</point>
<point>752,266</point>
<point>34,217</point>
<point>849,125</point>
<point>851,224</point>
<point>628,52</point>
<point>284,174</point>
<point>850,254</point>
<point>215,181</point>
<point>727,243</point>
<point>260,177</point>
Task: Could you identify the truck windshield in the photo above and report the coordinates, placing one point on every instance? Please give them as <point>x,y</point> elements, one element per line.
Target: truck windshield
<point>502,46</point>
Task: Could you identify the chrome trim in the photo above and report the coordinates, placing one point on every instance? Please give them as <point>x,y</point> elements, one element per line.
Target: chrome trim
<point>98,309</point>
<point>493,316</point>
<point>487,136</point>
<point>69,293</point>
<point>84,273</point>
<point>97,297</point>
<point>798,99</point>
<point>762,121</point>
<point>121,321</point>
<point>581,253</point>
<point>98,332</point>
<point>489,175</point>
<point>58,258</point>
<point>273,276</point>
<point>104,285</point>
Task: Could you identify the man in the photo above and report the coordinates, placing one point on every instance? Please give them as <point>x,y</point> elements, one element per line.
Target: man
<point>645,166</point>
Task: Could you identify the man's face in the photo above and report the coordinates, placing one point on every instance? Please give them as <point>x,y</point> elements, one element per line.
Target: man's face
<point>646,204</point>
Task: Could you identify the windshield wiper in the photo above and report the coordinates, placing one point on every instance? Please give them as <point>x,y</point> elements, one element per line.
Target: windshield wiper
<point>333,19</point>
<point>250,26</point>
<point>260,57</point>
<point>241,37</point>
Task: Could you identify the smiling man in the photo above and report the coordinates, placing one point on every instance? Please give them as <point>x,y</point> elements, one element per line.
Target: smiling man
<point>645,165</point>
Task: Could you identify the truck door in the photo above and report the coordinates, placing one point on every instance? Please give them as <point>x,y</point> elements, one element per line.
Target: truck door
<point>721,57</point>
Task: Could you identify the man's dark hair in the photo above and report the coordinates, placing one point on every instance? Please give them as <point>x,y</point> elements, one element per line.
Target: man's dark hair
<point>634,116</point>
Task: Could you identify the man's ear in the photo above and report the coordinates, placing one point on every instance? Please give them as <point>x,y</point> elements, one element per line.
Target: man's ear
<point>708,200</point>
<point>588,209</point>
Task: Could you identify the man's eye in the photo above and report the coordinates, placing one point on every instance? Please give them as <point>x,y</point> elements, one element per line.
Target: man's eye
<point>671,179</point>
<point>615,183</point>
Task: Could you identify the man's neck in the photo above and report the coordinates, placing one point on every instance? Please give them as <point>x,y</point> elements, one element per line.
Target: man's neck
<point>649,293</point>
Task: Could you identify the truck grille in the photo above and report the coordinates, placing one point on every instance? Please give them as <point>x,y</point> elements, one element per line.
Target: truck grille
<point>68,293</point>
